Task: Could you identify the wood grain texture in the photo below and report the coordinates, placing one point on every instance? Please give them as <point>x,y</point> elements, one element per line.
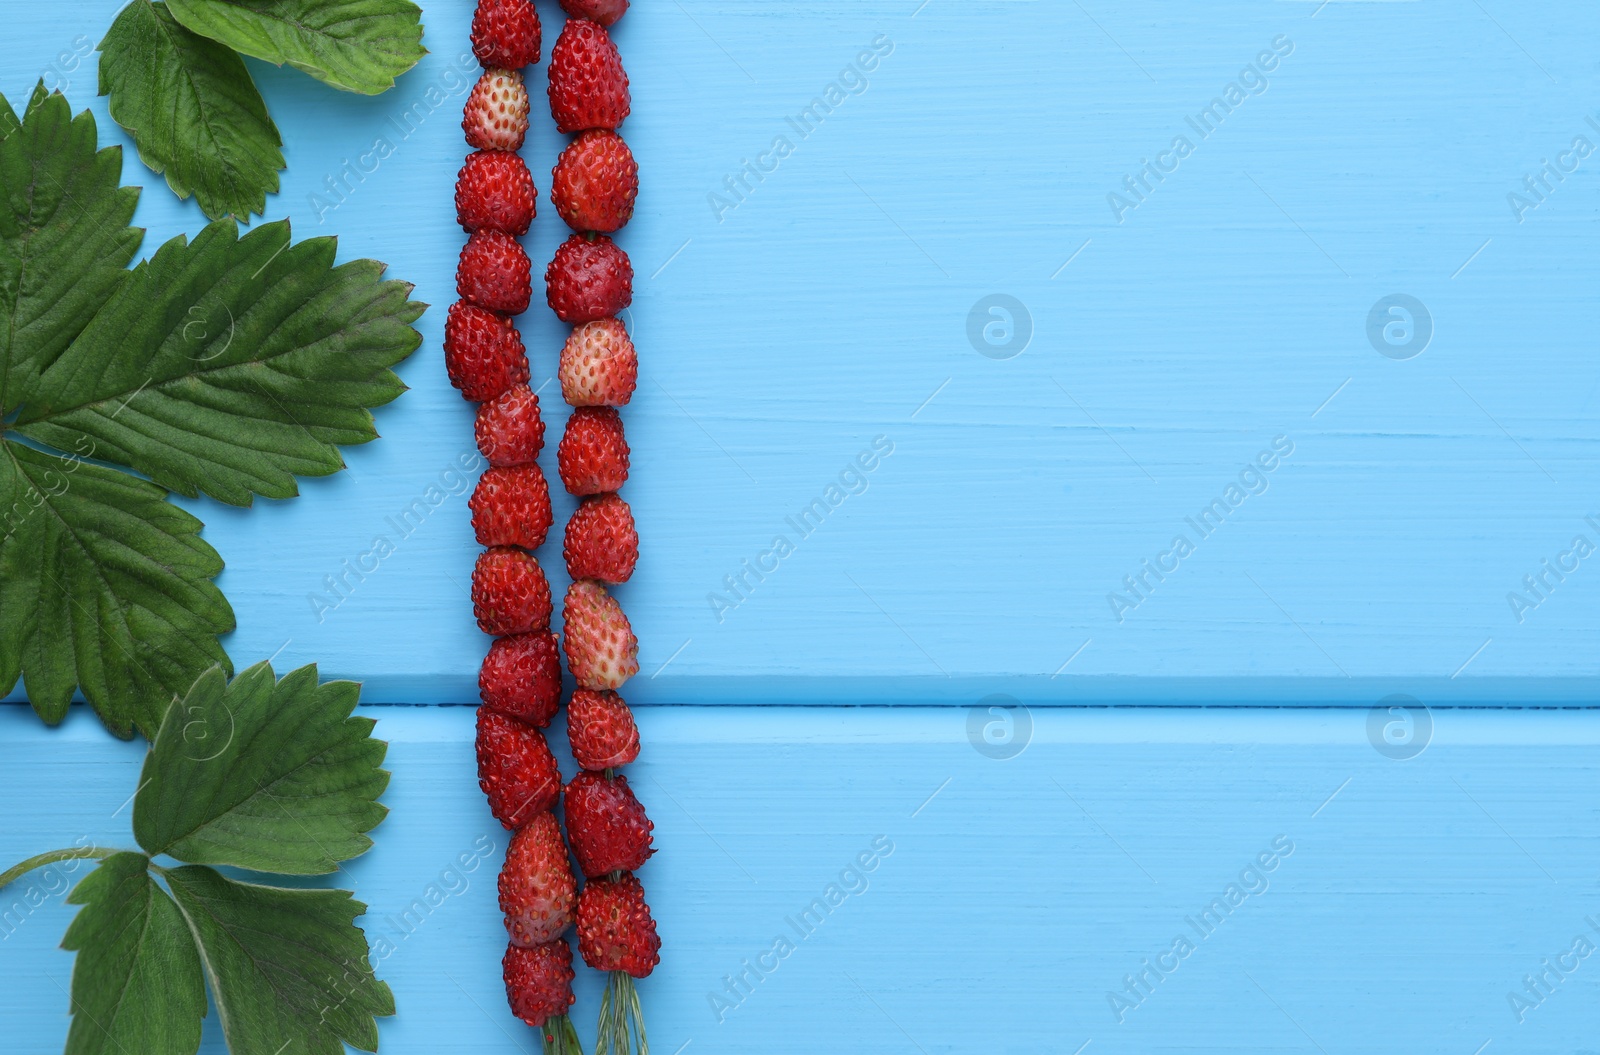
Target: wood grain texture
<point>1018,892</point>
<point>831,305</point>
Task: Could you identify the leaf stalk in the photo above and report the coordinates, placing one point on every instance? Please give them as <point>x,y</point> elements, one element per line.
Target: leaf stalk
<point>621,1028</point>
<point>559,1037</point>
<point>74,853</point>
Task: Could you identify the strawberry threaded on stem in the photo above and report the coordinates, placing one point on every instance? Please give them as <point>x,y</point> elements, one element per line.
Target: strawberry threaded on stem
<point>587,282</point>
<point>520,678</point>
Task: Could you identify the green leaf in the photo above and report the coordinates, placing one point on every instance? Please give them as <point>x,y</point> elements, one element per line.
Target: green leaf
<point>358,45</point>
<point>231,365</point>
<point>288,968</point>
<point>103,584</point>
<point>193,110</point>
<point>228,366</point>
<point>136,985</point>
<point>259,773</point>
<point>271,776</point>
<point>64,235</point>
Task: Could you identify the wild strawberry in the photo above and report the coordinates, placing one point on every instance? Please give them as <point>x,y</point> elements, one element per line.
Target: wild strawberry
<point>510,594</point>
<point>493,273</point>
<point>606,824</point>
<point>511,507</point>
<point>604,12</point>
<point>595,182</point>
<point>588,87</point>
<point>506,33</point>
<point>615,931</point>
<point>602,652</point>
<point>509,429</point>
<point>601,730</point>
<point>495,192</point>
<point>521,676</point>
<point>599,366</point>
<point>593,453</point>
<point>588,278</point>
<point>601,542</point>
<point>537,889</point>
<point>483,352</point>
<point>496,114</point>
<point>539,980</point>
<point>516,770</point>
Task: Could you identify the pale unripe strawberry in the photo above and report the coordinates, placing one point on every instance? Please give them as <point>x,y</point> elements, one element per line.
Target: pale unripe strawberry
<point>602,652</point>
<point>599,366</point>
<point>496,114</point>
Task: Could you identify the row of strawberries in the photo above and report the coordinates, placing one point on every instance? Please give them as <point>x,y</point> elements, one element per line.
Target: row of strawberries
<point>587,283</point>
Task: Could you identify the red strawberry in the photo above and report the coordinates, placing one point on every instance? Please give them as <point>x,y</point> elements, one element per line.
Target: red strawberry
<point>601,542</point>
<point>482,352</point>
<point>601,730</point>
<point>602,652</point>
<point>588,278</point>
<point>521,676</point>
<point>515,769</point>
<point>506,33</point>
<point>537,889</point>
<point>493,273</point>
<point>510,594</point>
<point>539,981</point>
<point>595,182</point>
<point>604,12</point>
<point>588,87</point>
<point>593,454</point>
<point>615,931</point>
<point>509,429</point>
<point>511,507</point>
<point>606,824</point>
<point>495,192</point>
<point>496,114</point>
<point>599,366</point>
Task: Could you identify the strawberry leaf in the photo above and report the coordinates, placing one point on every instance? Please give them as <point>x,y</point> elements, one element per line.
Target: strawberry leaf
<point>231,365</point>
<point>193,109</point>
<point>357,45</point>
<point>136,985</point>
<point>288,968</point>
<point>228,366</point>
<point>271,776</point>
<point>103,584</point>
<point>236,767</point>
<point>64,235</point>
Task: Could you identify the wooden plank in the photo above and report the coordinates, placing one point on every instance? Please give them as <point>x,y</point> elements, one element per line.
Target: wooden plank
<point>1019,892</point>
<point>1169,349</point>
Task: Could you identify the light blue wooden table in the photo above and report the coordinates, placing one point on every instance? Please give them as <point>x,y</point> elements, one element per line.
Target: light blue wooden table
<point>1336,331</point>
